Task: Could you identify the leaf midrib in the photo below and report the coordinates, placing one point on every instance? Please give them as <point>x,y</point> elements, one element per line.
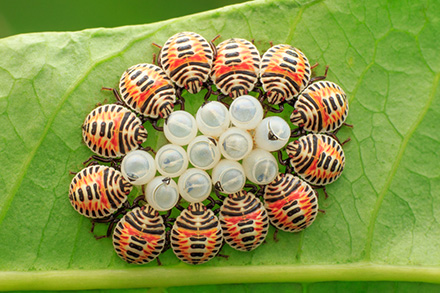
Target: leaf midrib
<point>186,275</point>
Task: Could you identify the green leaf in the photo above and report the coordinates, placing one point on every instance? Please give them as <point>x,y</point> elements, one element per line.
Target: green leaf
<point>382,216</point>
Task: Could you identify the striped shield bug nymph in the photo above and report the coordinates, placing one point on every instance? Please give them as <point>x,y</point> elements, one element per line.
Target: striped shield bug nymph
<point>244,221</point>
<point>112,131</point>
<point>321,108</point>
<point>318,159</point>
<point>285,72</point>
<point>236,67</point>
<point>98,191</point>
<point>196,236</point>
<point>147,90</point>
<point>139,237</point>
<point>187,59</point>
<point>290,202</point>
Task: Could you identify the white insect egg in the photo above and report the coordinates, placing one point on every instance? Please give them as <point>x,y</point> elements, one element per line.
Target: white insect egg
<point>162,193</point>
<point>213,119</point>
<point>260,167</point>
<point>246,112</point>
<point>272,133</point>
<point>180,128</point>
<point>203,152</point>
<point>235,143</point>
<point>138,167</point>
<point>228,176</point>
<point>195,185</point>
<point>171,160</point>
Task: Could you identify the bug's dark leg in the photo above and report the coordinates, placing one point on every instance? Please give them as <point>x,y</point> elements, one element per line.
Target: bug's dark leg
<point>284,162</point>
<point>275,234</point>
<point>314,66</point>
<point>262,97</point>
<point>316,78</point>
<point>297,132</point>
<point>323,189</point>
<point>222,255</point>
<point>165,247</point>
<point>337,130</point>
<point>211,43</point>
<point>154,124</point>
<point>156,45</point>
<point>208,94</point>
<point>221,97</point>
<point>252,188</point>
<point>292,102</point>
<point>112,219</point>
<point>274,110</point>
<point>179,207</point>
<point>260,193</point>
<point>180,99</point>
<point>167,215</point>
<point>94,159</point>
<point>90,162</point>
<point>332,134</point>
<point>147,149</point>
<point>159,263</point>
<point>137,200</point>
<point>154,59</point>
<point>345,141</point>
<point>219,196</point>
<point>167,241</point>
<point>109,229</point>
<point>321,211</point>
<point>73,173</point>
<point>213,202</point>
<point>115,93</point>
<point>168,222</point>
<point>258,91</point>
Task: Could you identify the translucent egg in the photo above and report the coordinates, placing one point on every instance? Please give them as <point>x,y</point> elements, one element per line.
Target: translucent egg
<point>260,167</point>
<point>228,176</point>
<point>203,152</point>
<point>272,133</point>
<point>246,112</point>
<point>195,185</point>
<point>171,160</point>
<point>235,143</point>
<point>162,193</point>
<point>213,119</point>
<point>138,167</point>
<point>180,128</point>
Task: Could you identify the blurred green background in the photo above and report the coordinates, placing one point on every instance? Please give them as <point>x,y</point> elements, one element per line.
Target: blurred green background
<point>26,16</point>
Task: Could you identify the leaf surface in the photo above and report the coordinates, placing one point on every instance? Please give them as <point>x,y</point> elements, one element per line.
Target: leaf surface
<point>382,216</point>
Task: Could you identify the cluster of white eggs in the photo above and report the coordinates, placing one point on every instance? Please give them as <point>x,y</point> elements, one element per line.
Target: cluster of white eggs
<point>229,137</point>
